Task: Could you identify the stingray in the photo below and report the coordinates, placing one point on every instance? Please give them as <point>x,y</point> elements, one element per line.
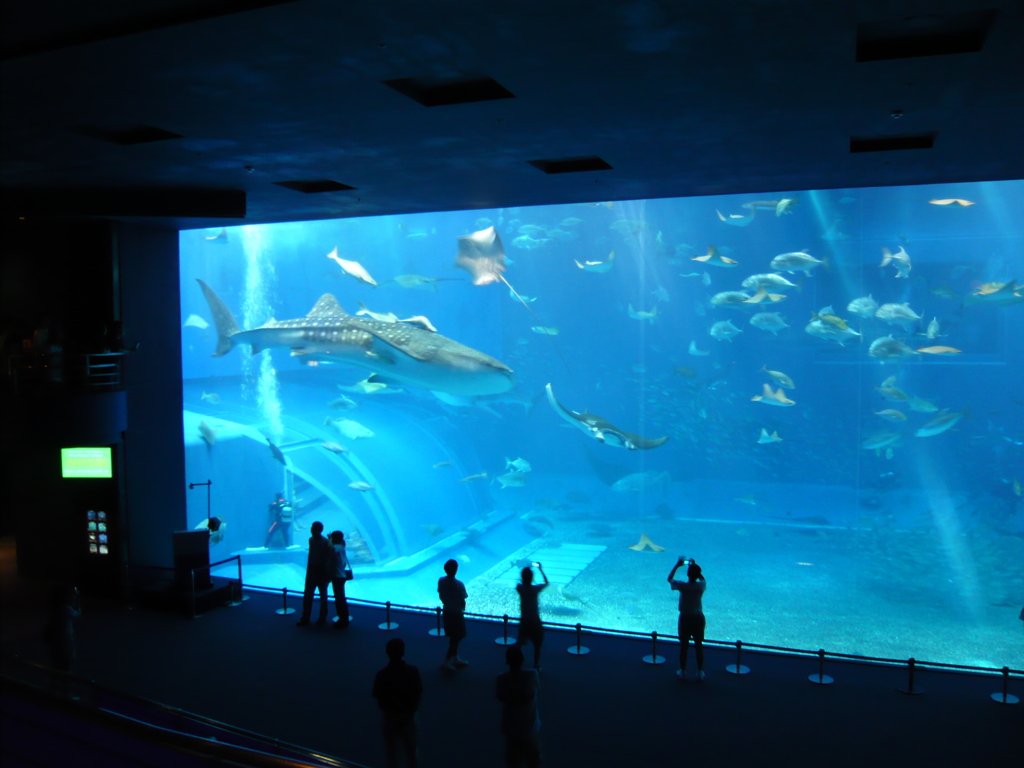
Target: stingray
<point>482,254</point>
<point>601,429</point>
<point>736,220</point>
<point>572,597</point>
<point>645,543</point>
<point>418,281</point>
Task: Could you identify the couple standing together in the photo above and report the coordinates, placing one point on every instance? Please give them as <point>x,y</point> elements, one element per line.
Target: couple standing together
<point>326,563</point>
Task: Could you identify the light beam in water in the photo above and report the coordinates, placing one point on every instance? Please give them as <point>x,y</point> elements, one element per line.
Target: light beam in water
<point>259,378</point>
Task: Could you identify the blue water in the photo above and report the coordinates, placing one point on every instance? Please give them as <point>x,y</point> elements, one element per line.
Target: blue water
<point>818,540</point>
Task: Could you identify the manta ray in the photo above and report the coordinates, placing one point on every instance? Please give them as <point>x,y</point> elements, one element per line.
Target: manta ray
<point>396,352</point>
<point>601,429</point>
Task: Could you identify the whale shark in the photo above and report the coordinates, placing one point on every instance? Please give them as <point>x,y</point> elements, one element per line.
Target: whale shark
<point>397,352</point>
<point>601,429</point>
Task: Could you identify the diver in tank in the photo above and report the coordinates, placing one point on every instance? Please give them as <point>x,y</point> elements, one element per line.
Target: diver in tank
<point>282,518</point>
<point>453,597</point>
<point>691,613</point>
<point>531,629</point>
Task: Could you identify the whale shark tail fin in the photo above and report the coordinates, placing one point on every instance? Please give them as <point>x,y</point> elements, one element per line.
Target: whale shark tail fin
<point>227,326</point>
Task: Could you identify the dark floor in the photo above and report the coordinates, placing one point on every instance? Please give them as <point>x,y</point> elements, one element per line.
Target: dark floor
<point>250,667</point>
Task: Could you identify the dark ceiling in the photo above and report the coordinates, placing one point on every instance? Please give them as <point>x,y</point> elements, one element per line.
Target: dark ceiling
<point>679,98</point>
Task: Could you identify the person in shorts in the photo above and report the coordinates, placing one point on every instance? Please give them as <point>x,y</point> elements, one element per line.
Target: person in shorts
<point>453,601</point>
<point>691,613</point>
<point>531,629</point>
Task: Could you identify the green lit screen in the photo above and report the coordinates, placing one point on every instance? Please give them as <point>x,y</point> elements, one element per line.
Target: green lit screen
<point>85,462</point>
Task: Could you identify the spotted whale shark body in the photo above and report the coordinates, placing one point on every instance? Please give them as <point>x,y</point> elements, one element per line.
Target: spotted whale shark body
<point>398,353</point>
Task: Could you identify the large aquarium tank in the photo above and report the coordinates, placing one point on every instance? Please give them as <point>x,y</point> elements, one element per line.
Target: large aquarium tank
<point>818,395</point>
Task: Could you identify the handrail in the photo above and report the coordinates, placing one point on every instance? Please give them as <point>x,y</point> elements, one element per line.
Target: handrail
<point>200,568</point>
<point>192,572</point>
<point>220,750</point>
<point>755,647</point>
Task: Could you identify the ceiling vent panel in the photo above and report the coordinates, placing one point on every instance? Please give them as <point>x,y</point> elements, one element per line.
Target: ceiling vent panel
<point>893,142</point>
<point>927,35</point>
<point>438,92</point>
<point>125,136</point>
<point>571,165</point>
<point>314,187</point>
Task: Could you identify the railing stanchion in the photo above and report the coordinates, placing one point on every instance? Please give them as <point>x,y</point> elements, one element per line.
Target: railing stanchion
<point>1005,697</point>
<point>504,639</point>
<point>439,632</point>
<point>193,593</point>
<point>241,587</point>
<point>654,658</point>
<point>738,668</point>
<point>388,623</point>
<point>910,690</point>
<point>821,678</point>
<point>236,587</point>
<point>579,650</point>
<point>284,610</point>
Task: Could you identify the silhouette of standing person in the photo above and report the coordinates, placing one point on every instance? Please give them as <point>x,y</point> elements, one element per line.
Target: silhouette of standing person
<point>65,607</point>
<point>531,629</point>
<point>318,574</point>
<point>691,614</point>
<point>398,690</point>
<point>341,571</point>
<point>518,690</point>
<point>453,600</point>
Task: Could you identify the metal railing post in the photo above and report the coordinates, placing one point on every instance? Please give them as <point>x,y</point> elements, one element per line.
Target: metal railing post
<point>388,623</point>
<point>579,650</point>
<point>910,690</point>
<point>1005,697</point>
<point>439,632</point>
<point>504,639</point>
<point>821,678</point>
<point>654,658</point>
<point>284,610</point>
<point>738,668</point>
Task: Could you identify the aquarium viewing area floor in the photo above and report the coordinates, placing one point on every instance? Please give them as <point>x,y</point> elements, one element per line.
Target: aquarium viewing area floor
<point>254,669</point>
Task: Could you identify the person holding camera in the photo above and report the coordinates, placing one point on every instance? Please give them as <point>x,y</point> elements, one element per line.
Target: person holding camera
<point>530,627</point>
<point>691,613</point>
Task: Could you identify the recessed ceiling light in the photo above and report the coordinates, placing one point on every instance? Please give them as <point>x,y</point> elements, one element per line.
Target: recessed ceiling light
<point>571,164</point>
<point>437,92</point>
<point>313,187</point>
<point>924,35</point>
<point>126,135</point>
<point>893,142</point>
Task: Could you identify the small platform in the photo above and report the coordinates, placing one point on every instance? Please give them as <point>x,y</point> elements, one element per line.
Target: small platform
<point>162,595</point>
<point>561,564</point>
